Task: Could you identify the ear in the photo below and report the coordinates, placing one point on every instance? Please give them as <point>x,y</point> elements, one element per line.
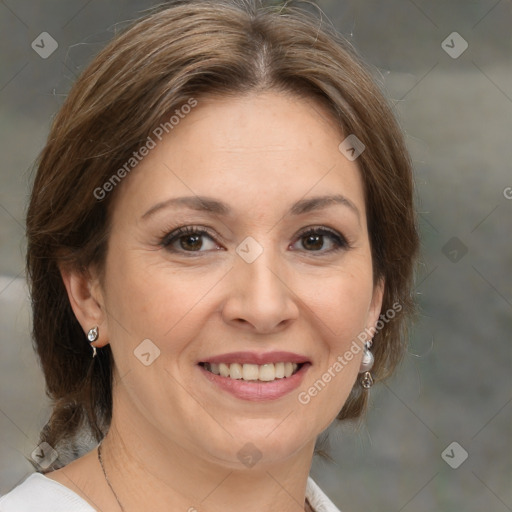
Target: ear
<point>376,304</point>
<point>87,301</point>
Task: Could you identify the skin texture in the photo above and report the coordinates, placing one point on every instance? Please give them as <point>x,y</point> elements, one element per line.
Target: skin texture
<point>174,436</point>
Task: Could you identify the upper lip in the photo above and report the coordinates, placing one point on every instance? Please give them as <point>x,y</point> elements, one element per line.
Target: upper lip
<point>257,358</point>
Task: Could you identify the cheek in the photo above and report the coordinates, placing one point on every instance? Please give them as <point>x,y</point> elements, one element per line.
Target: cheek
<point>340,308</point>
<point>341,302</point>
<point>146,298</point>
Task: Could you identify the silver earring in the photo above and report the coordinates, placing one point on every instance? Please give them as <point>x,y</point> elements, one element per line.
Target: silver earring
<point>92,336</point>
<point>366,366</point>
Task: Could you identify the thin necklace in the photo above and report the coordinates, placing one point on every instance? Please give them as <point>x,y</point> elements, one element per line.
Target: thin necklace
<point>106,478</point>
<point>308,508</point>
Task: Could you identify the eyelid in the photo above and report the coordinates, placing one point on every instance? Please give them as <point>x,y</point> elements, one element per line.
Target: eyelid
<point>342,241</point>
<point>175,234</point>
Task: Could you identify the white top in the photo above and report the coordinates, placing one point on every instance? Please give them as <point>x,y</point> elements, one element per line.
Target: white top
<point>37,493</point>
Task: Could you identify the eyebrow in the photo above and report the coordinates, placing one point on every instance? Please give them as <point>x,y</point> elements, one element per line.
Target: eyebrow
<point>208,204</point>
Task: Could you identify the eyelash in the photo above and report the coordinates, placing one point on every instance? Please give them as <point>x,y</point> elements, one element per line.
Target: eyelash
<point>339,241</point>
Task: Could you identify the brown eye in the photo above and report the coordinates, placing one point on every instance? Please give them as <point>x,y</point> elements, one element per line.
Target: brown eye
<point>189,239</point>
<point>322,240</point>
<point>191,242</point>
<point>313,242</point>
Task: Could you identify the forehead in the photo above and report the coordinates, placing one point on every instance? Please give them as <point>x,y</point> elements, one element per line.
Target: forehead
<point>252,150</point>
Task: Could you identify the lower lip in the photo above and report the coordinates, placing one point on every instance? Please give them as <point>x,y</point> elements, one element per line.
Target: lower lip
<point>257,391</point>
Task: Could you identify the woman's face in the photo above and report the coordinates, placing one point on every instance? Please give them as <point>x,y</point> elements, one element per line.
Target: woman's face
<point>242,231</point>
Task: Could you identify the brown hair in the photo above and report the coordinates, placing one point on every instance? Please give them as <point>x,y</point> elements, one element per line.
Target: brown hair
<point>187,50</point>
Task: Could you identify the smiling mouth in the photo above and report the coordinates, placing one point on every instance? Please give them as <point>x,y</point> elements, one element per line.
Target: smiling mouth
<point>253,372</point>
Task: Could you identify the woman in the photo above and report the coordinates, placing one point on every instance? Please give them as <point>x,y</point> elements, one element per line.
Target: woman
<point>221,246</point>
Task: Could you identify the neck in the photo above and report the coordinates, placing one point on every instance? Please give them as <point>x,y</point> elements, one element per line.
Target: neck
<point>149,471</point>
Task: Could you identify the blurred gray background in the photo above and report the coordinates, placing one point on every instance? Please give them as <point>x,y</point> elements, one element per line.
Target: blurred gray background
<point>455,107</point>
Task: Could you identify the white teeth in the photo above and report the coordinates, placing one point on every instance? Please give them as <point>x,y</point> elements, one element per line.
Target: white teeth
<point>250,372</point>
<point>265,372</point>
<point>235,371</point>
<point>279,374</point>
<point>224,370</point>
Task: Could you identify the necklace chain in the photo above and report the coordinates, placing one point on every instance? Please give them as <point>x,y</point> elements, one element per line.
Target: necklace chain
<point>106,478</point>
<point>308,506</point>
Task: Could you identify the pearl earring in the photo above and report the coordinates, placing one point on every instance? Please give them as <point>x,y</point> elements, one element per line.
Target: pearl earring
<point>92,336</point>
<point>366,366</point>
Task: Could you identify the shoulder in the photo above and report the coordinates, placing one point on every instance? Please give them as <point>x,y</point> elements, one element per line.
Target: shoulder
<point>37,493</point>
<point>318,499</point>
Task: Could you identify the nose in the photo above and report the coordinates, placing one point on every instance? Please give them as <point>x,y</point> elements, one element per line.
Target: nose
<point>259,298</point>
